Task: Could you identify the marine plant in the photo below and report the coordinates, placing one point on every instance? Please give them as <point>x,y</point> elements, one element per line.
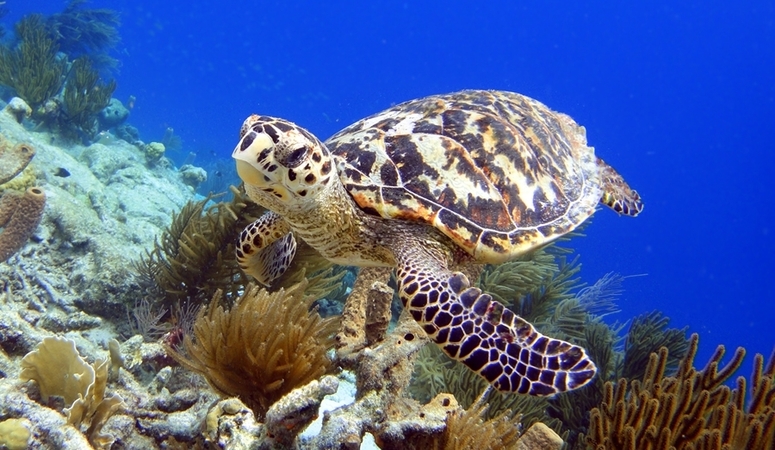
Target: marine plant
<point>84,97</point>
<point>262,347</point>
<point>32,68</point>
<point>689,411</point>
<point>469,428</point>
<point>194,257</point>
<point>82,31</point>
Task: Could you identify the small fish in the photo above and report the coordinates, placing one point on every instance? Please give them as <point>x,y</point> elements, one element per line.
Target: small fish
<point>62,172</point>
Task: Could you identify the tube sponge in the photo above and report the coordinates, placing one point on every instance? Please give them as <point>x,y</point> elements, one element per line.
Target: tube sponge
<point>20,215</point>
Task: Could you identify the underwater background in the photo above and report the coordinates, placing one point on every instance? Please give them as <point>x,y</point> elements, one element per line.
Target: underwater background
<point>678,96</point>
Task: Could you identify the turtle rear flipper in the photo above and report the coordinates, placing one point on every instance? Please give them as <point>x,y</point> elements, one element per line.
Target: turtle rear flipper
<point>617,194</point>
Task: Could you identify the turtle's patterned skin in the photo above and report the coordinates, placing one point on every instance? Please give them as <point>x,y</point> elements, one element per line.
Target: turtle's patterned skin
<point>474,176</point>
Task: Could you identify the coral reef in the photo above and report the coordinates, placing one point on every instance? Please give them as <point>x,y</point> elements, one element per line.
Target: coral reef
<point>261,348</point>
<point>692,410</point>
<point>51,68</point>
<point>105,206</point>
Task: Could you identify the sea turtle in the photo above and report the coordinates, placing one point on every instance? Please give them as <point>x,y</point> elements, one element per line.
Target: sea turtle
<point>472,176</point>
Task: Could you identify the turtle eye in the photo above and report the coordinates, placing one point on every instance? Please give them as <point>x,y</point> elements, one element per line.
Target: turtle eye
<point>295,158</point>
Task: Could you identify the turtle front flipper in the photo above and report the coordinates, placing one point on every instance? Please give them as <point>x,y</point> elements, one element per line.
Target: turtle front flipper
<point>491,340</point>
<point>266,248</point>
<point>617,194</point>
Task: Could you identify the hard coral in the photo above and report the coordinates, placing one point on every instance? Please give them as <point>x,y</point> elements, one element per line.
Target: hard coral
<point>262,348</point>
<point>59,370</point>
<point>18,108</point>
<point>14,434</point>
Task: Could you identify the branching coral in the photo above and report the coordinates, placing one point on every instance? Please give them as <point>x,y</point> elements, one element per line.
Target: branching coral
<point>32,69</point>
<point>691,411</point>
<point>266,345</point>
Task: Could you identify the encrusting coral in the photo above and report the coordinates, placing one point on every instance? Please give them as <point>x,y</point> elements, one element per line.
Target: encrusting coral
<point>14,434</point>
<point>58,369</point>
<point>693,410</point>
<point>261,348</point>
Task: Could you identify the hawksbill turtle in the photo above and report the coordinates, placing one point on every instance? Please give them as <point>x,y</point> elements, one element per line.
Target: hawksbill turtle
<point>473,176</point>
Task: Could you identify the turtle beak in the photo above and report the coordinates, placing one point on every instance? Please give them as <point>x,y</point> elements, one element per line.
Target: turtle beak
<point>250,174</point>
<point>249,154</point>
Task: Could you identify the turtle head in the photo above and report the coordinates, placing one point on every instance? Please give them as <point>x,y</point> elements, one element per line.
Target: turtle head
<point>280,162</point>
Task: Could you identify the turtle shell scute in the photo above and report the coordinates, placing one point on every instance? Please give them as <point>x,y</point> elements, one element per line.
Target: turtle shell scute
<point>497,172</point>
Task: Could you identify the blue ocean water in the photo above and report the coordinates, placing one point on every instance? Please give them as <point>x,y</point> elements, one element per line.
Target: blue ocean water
<point>678,96</point>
